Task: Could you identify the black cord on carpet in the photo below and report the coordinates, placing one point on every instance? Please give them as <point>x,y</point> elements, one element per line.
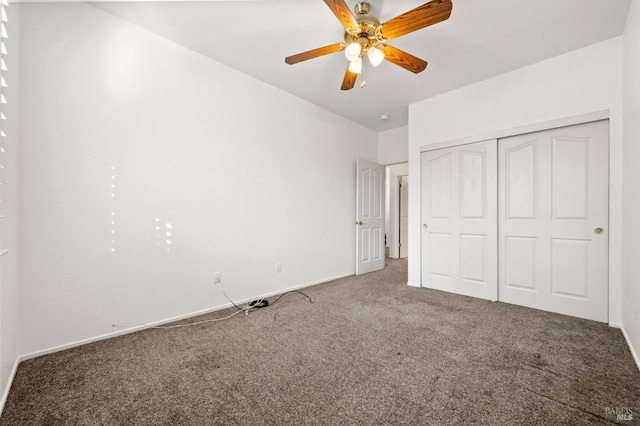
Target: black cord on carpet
<point>292,291</point>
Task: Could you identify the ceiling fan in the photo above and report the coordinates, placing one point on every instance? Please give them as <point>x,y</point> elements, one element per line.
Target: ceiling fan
<point>365,34</point>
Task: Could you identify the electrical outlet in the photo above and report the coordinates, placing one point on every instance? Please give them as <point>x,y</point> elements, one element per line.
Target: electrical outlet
<point>217,277</point>
<point>637,312</point>
<point>278,267</point>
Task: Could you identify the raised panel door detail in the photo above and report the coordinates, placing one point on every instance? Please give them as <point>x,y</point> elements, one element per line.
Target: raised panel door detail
<point>520,182</point>
<point>365,198</point>
<point>377,243</point>
<point>472,258</point>
<point>378,198</point>
<point>520,262</point>
<point>440,190</point>
<point>365,246</point>
<point>472,184</point>
<point>570,177</point>
<point>440,248</point>
<point>569,267</point>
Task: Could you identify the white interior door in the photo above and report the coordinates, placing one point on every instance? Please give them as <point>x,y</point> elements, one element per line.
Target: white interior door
<point>459,219</point>
<point>369,217</point>
<point>404,216</point>
<point>554,220</point>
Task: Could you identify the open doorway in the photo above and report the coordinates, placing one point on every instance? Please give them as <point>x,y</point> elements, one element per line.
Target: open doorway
<point>395,175</point>
<point>404,216</point>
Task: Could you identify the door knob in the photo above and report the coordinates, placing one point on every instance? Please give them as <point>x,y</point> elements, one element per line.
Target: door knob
<point>424,225</point>
<point>598,231</point>
<point>359,222</point>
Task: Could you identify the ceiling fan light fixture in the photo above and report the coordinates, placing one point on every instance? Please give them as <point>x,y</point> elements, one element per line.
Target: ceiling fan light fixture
<point>356,66</point>
<point>353,50</point>
<point>362,32</point>
<point>376,56</point>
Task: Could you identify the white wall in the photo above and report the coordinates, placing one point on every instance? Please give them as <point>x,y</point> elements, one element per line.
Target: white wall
<point>393,146</point>
<point>247,176</point>
<point>9,280</point>
<point>393,225</point>
<point>579,82</point>
<point>631,207</point>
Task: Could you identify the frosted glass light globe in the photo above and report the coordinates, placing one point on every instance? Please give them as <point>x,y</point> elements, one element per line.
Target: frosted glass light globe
<point>352,52</point>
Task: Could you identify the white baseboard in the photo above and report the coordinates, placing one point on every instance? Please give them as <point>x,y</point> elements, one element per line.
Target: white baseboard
<point>138,327</point>
<point>410,284</point>
<point>634,354</point>
<point>615,325</point>
<point>12,376</point>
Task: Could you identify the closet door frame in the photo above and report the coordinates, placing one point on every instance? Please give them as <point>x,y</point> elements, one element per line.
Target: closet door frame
<point>613,290</point>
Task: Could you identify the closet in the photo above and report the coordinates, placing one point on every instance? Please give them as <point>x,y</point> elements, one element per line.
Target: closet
<point>521,219</point>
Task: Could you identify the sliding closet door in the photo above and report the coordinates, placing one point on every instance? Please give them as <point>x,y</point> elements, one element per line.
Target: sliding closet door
<point>553,230</point>
<point>459,219</point>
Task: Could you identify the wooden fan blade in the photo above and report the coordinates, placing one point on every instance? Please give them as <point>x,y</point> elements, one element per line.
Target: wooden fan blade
<point>321,51</point>
<point>349,80</point>
<point>342,12</point>
<point>422,16</point>
<point>403,59</point>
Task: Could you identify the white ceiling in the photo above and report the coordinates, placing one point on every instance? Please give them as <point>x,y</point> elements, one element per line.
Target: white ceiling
<point>482,38</point>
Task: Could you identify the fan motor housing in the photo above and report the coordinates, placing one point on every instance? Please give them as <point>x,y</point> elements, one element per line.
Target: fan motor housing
<point>369,30</point>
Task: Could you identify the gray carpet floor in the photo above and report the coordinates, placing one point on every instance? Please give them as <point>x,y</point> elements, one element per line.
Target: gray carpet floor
<point>368,351</point>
